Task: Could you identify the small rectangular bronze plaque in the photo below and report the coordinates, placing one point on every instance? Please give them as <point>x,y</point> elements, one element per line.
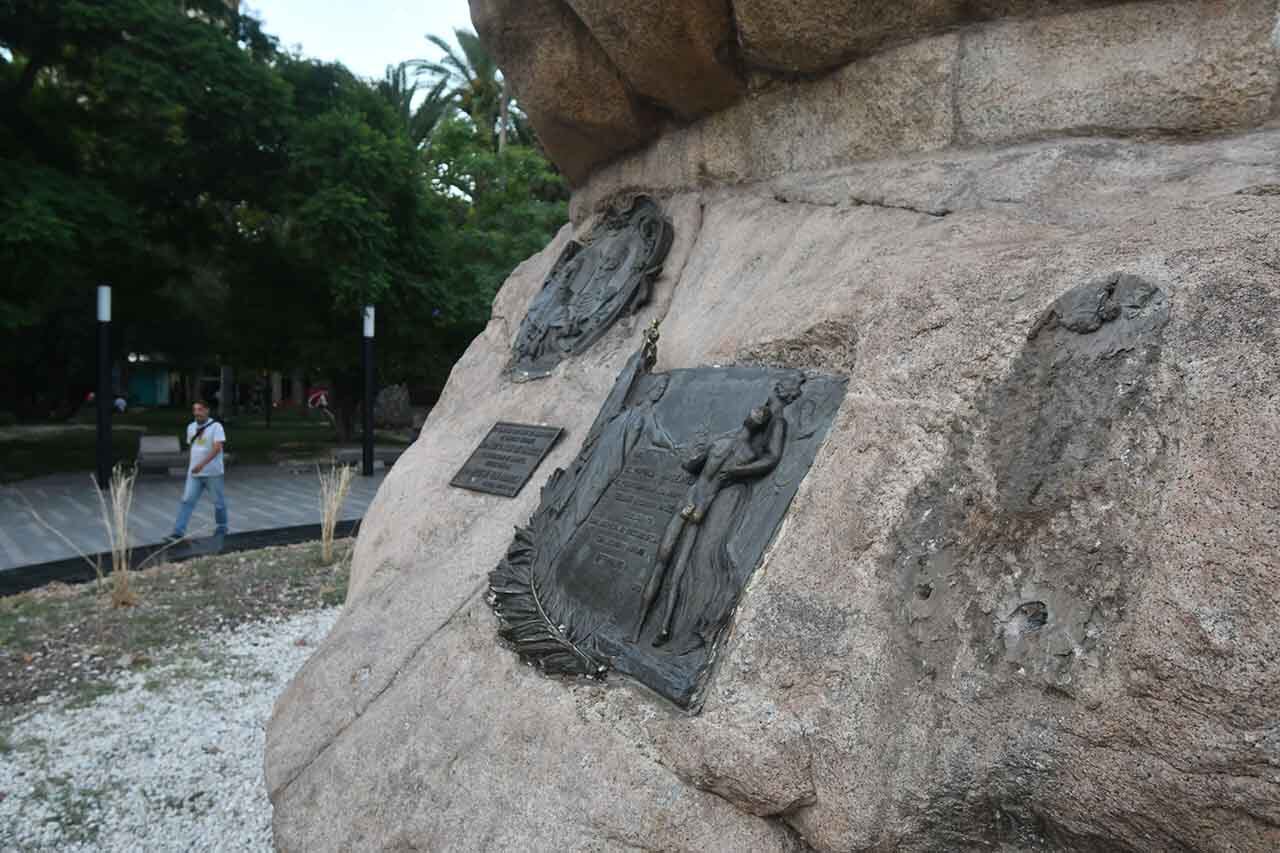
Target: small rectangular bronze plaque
<point>506,459</point>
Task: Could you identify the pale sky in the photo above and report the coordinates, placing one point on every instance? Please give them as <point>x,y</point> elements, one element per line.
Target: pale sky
<point>365,36</point>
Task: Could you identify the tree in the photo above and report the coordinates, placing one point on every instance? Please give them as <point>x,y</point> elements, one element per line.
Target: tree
<point>129,131</point>
<point>504,206</point>
<point>350,221</point>
<point>428,234</point>
<point>244,203</point>
<point>400,91</point>
<point>363,214</point>
<point>475,84</point>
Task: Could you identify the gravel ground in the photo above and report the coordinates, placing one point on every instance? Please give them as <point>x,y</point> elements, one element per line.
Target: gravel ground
<point>171,759</point>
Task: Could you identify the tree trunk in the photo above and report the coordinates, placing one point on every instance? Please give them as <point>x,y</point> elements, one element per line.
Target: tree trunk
<point>504,114</point>
<point>345,403</point>
<point>226,391</point>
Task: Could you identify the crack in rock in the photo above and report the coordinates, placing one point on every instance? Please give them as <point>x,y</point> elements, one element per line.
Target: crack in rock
<point>470,598</point>
<point>856,201</point>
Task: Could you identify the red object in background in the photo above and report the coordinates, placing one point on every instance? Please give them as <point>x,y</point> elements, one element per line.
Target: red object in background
<point>318,398</point>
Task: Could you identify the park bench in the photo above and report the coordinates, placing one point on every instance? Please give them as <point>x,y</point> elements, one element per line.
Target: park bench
<point>383,457</point>
<point>161,454</point>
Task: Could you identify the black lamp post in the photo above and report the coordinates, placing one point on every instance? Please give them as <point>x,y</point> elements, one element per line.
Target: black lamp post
<point>104,396</point>
<point>370,391</point>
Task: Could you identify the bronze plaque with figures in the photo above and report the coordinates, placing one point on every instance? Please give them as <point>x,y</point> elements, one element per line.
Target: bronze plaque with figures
<point>640,550</point>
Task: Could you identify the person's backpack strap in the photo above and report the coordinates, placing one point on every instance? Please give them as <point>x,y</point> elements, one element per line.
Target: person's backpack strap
<point>200,431</point>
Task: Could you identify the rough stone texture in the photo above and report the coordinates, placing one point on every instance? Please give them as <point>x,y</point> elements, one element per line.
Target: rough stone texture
<point>897,100</point>
<point>816,35</point>
<point>601,78</point>
<point>679,54</point>
<point>447,538</point>
<point>1024,599</point>
<point>582,108</point>
<point>1140,69</point>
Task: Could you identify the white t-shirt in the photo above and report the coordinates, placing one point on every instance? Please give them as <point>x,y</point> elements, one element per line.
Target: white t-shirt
<point>201,448</point>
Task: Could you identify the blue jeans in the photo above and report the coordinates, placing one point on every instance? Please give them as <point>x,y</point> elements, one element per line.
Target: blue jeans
<point>190,495</point>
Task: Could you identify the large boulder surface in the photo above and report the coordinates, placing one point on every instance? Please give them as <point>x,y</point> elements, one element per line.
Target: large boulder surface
<point>1024,599</point>
<point>583,110</point>
<point>724,89</point>
<point>1166,69</point>
<point>818,35</point>
<point>679,54</point>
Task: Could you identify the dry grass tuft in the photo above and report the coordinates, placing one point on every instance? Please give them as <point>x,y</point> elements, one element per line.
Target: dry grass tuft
<point>334,485</point>
<point>115,506</point>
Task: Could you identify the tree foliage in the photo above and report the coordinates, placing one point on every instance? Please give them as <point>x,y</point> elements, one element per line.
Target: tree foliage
<point>349,222</point>
<point>244,202</point>
<point>472,81</point>
<point>129,129</point>
<point>419,116</point>
<point>504,207</point>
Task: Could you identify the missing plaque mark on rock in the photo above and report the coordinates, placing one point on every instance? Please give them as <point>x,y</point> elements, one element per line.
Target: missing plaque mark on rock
<point>1025,501</point>
<point>1085,368</point>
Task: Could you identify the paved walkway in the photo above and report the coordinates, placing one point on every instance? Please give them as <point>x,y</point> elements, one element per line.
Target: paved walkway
<point>258,498</point>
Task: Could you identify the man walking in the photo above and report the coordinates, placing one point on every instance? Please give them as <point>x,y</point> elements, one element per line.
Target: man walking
<point>205,471</point>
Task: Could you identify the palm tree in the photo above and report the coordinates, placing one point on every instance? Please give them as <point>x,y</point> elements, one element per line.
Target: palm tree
<point>400,91</point>
<point>474,82</point>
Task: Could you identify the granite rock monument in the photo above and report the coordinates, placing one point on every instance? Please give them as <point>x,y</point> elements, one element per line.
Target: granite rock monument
<point>1024,596</point>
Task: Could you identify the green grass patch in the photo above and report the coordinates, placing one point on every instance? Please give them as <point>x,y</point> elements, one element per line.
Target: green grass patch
<point>69,640</point>
<point>59,448</point>
<point>75,806</point>
<point>85,693</point>
<point>60,452</point>
<point>184,671</point>
<point>8,745</point>
<point>26,620</point>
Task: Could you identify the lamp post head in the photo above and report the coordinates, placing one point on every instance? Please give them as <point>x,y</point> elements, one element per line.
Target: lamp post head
<point>104,303</point>
<point>368,321</point>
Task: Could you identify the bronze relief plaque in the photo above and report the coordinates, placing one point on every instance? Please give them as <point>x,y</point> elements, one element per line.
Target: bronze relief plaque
<point>593,283</point>
<point>639,552</point>
<point>506,458</point>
